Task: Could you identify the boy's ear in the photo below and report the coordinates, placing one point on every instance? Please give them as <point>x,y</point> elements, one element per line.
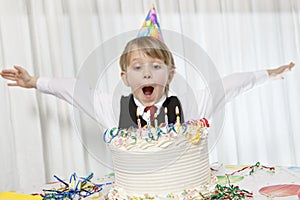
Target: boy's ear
<point>124,78</point>
<point>171,75</point>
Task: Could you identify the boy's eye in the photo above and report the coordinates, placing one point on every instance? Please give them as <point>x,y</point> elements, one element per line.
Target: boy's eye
<point>137,67</point>
<point>156,66</point>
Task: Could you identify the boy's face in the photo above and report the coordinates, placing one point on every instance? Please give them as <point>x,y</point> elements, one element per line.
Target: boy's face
<point>147,77</point>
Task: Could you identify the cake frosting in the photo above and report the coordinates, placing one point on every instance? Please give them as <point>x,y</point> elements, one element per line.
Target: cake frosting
<point>161,163</point>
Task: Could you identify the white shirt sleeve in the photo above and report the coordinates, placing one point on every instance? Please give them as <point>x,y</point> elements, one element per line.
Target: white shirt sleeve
<point>62,88</point>
<point>96,105</point>
<point>210,102</point>
<point>238,83</point>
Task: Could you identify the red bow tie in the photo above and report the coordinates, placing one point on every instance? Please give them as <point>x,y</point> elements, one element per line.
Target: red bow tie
<point>152,111</point>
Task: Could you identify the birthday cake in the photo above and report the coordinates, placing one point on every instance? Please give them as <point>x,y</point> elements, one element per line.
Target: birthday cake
<point>162,162</point>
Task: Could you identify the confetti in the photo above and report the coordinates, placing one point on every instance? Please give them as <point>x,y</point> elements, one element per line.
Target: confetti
<point>77,187</point>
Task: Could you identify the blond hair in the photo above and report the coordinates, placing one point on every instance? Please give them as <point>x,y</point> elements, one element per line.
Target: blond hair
<point>151,47</point>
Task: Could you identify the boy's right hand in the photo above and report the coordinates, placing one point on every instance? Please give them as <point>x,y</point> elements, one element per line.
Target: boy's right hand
<point>20,77</point>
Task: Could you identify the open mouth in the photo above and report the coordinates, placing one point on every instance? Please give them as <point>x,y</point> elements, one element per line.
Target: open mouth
<point>148,90</point>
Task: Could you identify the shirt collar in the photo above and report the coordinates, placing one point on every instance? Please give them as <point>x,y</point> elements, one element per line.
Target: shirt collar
<point>158,105</point>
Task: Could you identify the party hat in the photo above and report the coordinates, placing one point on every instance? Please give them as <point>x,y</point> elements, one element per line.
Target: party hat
<point>151,27</point>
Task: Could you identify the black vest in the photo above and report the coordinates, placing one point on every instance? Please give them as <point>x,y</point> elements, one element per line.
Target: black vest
<point>128,112</point>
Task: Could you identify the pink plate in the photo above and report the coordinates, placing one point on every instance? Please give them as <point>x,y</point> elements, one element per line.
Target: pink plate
<point>282,190</point>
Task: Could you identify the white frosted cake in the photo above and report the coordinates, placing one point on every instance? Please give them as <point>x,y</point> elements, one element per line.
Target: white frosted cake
<point>162,162</point>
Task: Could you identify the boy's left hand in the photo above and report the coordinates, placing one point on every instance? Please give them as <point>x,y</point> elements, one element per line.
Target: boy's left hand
<point>279,72</point>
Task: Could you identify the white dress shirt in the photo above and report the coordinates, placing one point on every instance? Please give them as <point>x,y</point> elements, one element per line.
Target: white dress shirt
<point>99,105</point>
<point>141,107</point>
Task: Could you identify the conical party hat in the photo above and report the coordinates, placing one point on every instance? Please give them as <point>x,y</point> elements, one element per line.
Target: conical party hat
<point>151,26</point>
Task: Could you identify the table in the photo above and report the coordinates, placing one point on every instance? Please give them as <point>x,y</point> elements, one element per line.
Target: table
<point>265,183</point>
<point>286,179</point>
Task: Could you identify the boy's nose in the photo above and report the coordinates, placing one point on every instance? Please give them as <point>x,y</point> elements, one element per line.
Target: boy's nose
<point>147,76</point>
<point>147,73</point>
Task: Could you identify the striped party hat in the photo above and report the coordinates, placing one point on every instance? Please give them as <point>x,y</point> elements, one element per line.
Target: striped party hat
<point>151,27</point>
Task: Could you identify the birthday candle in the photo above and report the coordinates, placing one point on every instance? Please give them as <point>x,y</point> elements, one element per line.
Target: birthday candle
<point>150,135</point>
<point>139,122</point>
<point>155,122</point>
<point>156,126</point>
<point>166,120</point>
<point>148,121</point>
<point>177,119</point>
<point>166,116</point>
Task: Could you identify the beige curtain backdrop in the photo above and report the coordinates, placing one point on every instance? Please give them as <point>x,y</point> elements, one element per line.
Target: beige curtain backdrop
<point>52,38</point>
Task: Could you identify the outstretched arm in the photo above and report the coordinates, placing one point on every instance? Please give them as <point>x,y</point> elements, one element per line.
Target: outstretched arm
<point>20,77</point>
<point>75,92</point>
<point>212,100</point>
<point>238,83</point>
<point>62,88</point>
